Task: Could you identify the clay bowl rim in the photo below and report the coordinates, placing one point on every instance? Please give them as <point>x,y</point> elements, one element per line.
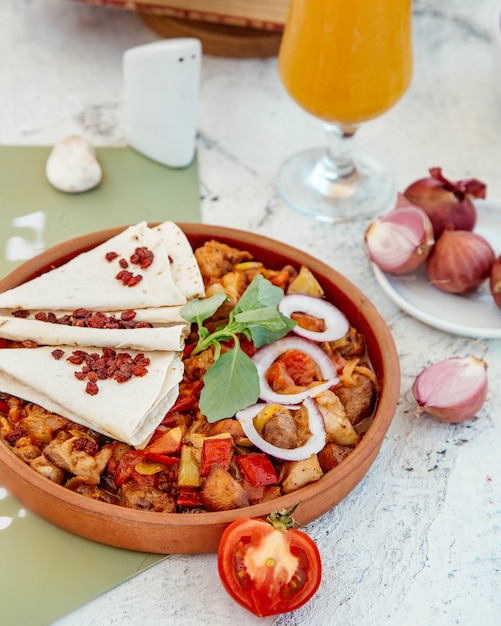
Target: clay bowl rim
<point>382,351</point>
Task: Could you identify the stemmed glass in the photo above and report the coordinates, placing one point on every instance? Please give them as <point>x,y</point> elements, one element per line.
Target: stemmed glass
<point>345,62</point>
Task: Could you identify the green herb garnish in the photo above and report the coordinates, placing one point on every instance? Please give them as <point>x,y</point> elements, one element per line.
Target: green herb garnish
<point>232,382</point>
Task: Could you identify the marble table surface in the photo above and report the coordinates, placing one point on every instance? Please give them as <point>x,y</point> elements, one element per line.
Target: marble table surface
<point>418,542</point>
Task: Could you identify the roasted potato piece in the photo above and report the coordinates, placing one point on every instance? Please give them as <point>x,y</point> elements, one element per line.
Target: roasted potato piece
<point>232,426</point>
<point>222,492</point>
<point>297,474</point>
<point>332,454</point>
<point>339,428</point>
<point>306,283</point>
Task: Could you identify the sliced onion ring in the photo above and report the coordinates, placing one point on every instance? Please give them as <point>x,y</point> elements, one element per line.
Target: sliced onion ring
<point>314,444</point>
<point>336,323</point>
<point>265,357</point>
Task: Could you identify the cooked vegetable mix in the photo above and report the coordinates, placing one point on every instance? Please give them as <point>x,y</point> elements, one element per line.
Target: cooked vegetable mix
<point>311,401</point>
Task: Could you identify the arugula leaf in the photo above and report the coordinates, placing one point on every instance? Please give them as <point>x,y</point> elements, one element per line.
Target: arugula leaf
<point>232,382</point>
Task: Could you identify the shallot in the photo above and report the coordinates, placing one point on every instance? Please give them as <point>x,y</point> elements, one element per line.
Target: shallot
<point>452,390</point>
<point>448,204</point>
<point>265,357</point>
<point>314,444</point>
<point>401,240</point>
<point>495,281</point>
<point>460,261</point>
<point>336,325</point>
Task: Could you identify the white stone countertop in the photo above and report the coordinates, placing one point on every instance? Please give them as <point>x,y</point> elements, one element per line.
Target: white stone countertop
<point>418,542</point>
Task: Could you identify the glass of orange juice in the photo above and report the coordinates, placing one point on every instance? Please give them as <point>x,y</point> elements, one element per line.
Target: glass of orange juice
<point>344,62</point>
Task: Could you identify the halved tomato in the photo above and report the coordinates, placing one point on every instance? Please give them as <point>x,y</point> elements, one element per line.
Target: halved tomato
<point>267,566</point>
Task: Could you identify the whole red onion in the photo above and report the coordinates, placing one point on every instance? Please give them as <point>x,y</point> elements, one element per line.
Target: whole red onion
<point>448,204</point>
<point>495,281</point>
<point>460,261</point>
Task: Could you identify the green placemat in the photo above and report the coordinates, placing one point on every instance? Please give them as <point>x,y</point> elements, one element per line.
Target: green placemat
<point>35,216</point>
<point>46,572</point>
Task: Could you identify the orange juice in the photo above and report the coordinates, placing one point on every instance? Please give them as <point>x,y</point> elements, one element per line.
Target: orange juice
<point>347,61</point>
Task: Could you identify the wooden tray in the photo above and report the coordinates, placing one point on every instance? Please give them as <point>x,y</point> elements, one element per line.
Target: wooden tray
<point>221,40</point>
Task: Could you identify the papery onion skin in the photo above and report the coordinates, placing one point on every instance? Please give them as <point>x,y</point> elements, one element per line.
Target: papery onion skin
<point>314,444</point>
<point>401,240</point>
<point>448,204</point>
<point>495,281</point>
<point>460,261</point>
<point>336,323</point>
<point>452,390</point>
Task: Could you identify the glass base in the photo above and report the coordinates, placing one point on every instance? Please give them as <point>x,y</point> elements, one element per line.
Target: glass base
<point>308,185</point>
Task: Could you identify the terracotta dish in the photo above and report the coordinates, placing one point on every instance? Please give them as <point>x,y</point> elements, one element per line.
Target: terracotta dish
<point>200,532</point>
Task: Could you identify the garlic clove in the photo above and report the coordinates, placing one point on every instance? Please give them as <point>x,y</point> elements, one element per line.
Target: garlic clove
<point>460,261</point>
<point>452,390</point>
<point>401,240</point>
<point>72,166</point>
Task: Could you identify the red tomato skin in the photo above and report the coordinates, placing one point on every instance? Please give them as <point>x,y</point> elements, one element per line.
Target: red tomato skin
<point>263,595</point>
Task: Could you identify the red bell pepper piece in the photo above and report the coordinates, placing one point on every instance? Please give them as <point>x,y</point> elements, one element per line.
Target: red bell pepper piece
<point>126,466</point>
<point>158,457</point>
<point>257,469</point>
<point>4,407</point>
<point>189,497</point>
<point>216,451</point>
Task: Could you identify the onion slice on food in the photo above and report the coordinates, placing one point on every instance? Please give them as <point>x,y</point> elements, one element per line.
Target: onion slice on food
<point>336,323</point>
<point>265,357</point>
<point>314,444</point>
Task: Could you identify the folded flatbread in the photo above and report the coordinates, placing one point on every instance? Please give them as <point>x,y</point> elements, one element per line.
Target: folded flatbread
<point>89,280</point>
<point>49,334</point>
<point>128,412</point>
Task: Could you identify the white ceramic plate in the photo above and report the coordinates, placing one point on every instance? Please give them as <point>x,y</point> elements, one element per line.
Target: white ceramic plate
<point>475,315</point>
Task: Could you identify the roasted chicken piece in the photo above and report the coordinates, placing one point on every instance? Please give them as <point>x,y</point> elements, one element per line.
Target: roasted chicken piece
<point>281,429</point>
<point>43,466</point>
<point>357,399</point>
<point>70,456</point>
<point>40,423</point>
<point>338,427</point>
<point>146,498</point>
<point>216,259</point>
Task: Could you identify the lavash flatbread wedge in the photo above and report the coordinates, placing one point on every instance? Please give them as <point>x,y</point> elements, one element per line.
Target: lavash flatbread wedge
<point>128,412</point>
<point>164,338</point>
<point>89,279</point>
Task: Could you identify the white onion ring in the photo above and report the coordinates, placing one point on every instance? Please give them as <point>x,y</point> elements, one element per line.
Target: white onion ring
<point>314,444</point>
<point>336,322</point>
<point>264,358</point>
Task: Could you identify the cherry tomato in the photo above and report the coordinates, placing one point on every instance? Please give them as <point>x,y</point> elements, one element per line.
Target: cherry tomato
<point>267,566</point>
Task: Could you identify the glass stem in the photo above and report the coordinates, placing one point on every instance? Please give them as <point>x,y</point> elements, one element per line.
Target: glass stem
<point>338,160</point>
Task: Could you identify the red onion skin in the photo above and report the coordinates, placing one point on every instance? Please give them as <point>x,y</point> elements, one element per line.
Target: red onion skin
<point>456,410</point>
<point>495,281</point>
<point>448,204</point>
<point>460,261</point>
